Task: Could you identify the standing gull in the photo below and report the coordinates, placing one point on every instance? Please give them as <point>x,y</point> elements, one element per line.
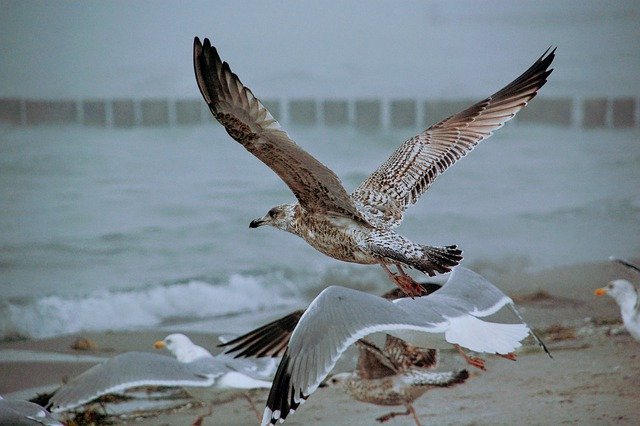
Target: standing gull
<point>193,368</point>
<point>398,374</point>
<point>359,227</point>
<point>626,295</point>
<point>338,317</point>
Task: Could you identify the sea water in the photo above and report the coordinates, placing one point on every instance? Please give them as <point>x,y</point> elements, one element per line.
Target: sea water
<point>104,229</point>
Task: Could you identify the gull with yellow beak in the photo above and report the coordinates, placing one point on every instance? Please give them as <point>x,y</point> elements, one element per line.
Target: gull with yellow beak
<point>626,295</point>
<point>193,368</point>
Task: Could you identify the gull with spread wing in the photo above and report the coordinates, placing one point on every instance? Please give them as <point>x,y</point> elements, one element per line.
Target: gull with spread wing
<point>338,317</point>
<point>359,228</point>
<point>194,368</point>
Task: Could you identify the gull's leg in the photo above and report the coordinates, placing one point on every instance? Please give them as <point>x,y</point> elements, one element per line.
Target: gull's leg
<point>200,419</point>
<point>404,281</point>
<point>414,414</point>
<point>510,356</point>
<point>253,406</point>
<point>393,414</point>
<point>417,289</point>
<point>471,360</point>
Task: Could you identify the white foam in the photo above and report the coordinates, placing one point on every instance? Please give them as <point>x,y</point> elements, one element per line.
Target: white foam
<point>124,310</point>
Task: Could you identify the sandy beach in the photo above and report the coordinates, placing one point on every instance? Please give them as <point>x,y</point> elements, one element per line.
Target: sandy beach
<point>593,378</point>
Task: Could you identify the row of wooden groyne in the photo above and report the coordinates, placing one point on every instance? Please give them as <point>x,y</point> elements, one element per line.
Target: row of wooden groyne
<point>362,113</point>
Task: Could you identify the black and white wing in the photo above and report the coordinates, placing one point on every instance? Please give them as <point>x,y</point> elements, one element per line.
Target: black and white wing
<point>338,317</point>
<point>270,340</point>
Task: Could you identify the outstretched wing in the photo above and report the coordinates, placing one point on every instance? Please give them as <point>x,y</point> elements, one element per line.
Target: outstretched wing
<point>270,340</point>
<point>338,317</point>
<point>133,369</point>
<point>247,121</point>
<point>412,168</point>
<point>373,363</point>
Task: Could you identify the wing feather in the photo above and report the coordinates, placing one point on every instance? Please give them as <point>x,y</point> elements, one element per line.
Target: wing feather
<point>269,340</point>
<point>247,121</point>
<point>413,167</point>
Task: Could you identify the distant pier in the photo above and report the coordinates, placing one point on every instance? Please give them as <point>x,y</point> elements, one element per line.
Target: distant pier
<point>365,113</point>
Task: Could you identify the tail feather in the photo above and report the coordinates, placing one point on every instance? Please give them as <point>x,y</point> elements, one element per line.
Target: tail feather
<point>483,336</point>
<point>427,259</point>
<point>441,379</point>
<point>438,259</point>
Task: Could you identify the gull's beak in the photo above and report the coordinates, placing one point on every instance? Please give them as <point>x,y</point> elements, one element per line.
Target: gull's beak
<point>159,344</point>
<point>600,292</point>
<point>257,222</point>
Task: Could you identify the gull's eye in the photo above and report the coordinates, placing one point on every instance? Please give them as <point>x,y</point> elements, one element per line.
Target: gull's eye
<point>272,213</point>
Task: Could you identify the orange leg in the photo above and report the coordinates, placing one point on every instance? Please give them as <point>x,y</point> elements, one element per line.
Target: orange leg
<point>510,356</point>
<point>404,281</point>
<point>200,419</point>
<point>410,410</point>
<point>471,360</point>
<point>253,406</point>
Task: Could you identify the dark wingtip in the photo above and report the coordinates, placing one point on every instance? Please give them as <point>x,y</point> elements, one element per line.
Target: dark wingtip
<point>462,376</point>
<point>281,393</point>
<point>626,263</point>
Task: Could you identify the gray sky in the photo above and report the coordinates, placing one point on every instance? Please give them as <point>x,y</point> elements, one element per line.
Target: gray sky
<point>55,49</point>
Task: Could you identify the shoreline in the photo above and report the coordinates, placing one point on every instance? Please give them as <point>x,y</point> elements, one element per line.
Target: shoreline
<point>593,378</point>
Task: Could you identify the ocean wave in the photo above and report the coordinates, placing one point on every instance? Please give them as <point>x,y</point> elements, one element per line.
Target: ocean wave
<point>126,310</point>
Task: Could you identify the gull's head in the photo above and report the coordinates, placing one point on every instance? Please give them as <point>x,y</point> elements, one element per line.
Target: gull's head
<point>280,217</point>
<point>337,380</point>
<point>620,290</point>
<point>182,347</point>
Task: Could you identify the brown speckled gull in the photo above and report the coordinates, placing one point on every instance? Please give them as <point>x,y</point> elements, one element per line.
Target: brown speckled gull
<point>359,228</point>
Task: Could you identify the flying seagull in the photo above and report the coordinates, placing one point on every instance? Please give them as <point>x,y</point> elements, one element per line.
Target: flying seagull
<point>397,374</point>
<point>23,413</point>
<point>193,368</point>
<point>338,317</point>
<point>271,340</point>
<point>359,228</point>
<point>627,297</point>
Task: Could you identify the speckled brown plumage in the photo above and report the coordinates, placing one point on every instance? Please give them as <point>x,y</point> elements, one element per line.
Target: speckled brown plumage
<point>359,227</point>
<point>398,374</point>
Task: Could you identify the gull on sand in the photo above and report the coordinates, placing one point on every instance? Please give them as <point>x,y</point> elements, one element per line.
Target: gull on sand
<point>397,374</point>
<point>626,296</point>
<point>359,228</point>
<point>193,368</point>
<point>19,413</point>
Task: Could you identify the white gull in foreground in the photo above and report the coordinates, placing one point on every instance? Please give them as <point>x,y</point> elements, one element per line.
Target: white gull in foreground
<point>19,413</point>
<point>338,317</point>
<point>626,295</point>
<point>193,368</point>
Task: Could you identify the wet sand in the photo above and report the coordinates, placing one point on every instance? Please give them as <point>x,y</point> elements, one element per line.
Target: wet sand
<point>594,377</point>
